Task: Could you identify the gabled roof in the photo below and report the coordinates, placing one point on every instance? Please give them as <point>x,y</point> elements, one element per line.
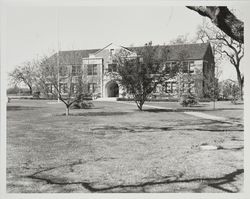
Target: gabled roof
<point>190,51</point>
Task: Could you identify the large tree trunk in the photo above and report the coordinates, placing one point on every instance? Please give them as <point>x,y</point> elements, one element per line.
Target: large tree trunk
<point>223,19</point>
<point>240,81</point>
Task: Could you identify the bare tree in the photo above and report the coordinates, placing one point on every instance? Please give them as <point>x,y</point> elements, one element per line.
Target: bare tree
<point>26,74</point>
<point>224,19</point>
<point>224,46</point>
<point>181,39</point>
<point>63,83</point>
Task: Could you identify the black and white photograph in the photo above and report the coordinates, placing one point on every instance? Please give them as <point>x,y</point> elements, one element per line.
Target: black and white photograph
<point>123,97</point>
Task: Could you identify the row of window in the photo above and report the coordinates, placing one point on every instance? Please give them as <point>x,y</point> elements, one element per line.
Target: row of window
<point>63,88</point>
<point>171,87</point>
<point>186,66</point>
<point>92,68</point>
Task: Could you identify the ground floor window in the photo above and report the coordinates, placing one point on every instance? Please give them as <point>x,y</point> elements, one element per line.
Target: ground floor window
<point>49,88</point>
<point>63,87</point>
<point>170,87</point>
<point>74,88</point>
<point>92,87</point>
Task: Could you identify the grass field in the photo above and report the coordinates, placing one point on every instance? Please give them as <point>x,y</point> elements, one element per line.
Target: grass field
<point>116,148</point>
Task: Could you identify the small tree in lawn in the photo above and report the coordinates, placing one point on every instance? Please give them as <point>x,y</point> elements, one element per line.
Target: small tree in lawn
<point>212,87</point>
<point>140,75</point>
<point>65,85</point>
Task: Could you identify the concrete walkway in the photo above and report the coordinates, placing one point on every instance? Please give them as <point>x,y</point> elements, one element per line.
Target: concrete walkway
<point>193,113</point>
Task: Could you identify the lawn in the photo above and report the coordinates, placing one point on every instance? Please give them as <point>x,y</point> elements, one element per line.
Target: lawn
<point>116,148</point>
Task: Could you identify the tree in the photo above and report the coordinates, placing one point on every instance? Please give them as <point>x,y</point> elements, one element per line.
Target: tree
<point>224,46</point>
<point>181,39</point>
<point>224,19</point>
<point>229,89</point>
<point>140,75</point>
<point>63,83</point>
<point>26,74</point>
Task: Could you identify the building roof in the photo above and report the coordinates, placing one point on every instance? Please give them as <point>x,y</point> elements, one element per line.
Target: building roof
<point>189,51</point>
<point>182,51</point>
<point>73,57</point>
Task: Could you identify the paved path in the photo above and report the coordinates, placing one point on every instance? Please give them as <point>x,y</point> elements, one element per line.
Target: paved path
<point>193,113</point>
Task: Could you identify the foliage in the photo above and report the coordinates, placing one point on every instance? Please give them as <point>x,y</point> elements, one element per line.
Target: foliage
<point>25,74</point>
<point>229,90</point>
<point>188,99</point>
<point>82,105</point>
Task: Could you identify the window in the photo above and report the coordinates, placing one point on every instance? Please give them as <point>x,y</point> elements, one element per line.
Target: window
<point>185,67</point>
<point>63,71</point>
<point>168,67</point>
<point>170,87</point>
<point>74,88</point>
<point>112,68</point>
<point>92,87</point>
<point>92,69</point>
<point>63,87</point>
<point>49,88</point>
<point>75,70</point>
<point>191,67</point>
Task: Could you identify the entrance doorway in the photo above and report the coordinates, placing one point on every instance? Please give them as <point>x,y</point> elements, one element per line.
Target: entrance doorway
<point>112,89</point>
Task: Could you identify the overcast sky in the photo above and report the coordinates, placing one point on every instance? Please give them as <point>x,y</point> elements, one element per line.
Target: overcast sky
<point>32,31</point>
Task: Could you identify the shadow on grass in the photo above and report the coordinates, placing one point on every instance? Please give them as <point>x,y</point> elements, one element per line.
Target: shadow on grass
<point>22,108</point>
<point>97,114</point>
<point>216,183</point>
<point>132,129</point>
<point>158,110</point>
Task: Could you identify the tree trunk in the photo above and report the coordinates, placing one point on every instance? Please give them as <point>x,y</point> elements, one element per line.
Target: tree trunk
<point>67,111</point>
<point>139,105</point>
<point>30,87</point>
<point>240,82</point>
<point>224,19</point>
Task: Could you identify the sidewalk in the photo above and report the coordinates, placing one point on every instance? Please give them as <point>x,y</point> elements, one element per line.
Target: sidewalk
<point>193,113</point>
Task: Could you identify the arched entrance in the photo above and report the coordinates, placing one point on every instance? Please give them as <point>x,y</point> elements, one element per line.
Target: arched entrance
<point>112,89</point>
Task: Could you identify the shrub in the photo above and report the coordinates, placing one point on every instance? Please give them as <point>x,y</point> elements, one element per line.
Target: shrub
<point>82,105</point>
<point>188,99</point>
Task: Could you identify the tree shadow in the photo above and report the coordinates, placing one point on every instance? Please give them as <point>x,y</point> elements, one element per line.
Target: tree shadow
<point>216,183</point>
<point>133,129</point>
<point>93,114</point>
<point>22,108</point>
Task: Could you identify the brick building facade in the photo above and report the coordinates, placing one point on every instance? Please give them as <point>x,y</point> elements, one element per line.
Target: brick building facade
<point>95,67</point>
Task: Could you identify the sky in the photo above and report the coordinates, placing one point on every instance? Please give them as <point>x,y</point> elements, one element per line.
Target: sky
<point>30,32</point>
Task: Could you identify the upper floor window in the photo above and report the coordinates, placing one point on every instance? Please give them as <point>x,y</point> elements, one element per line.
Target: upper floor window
<point>112,68</point>
<point>63,70</point>
<point>75,70</point>
<point>92,69</point>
